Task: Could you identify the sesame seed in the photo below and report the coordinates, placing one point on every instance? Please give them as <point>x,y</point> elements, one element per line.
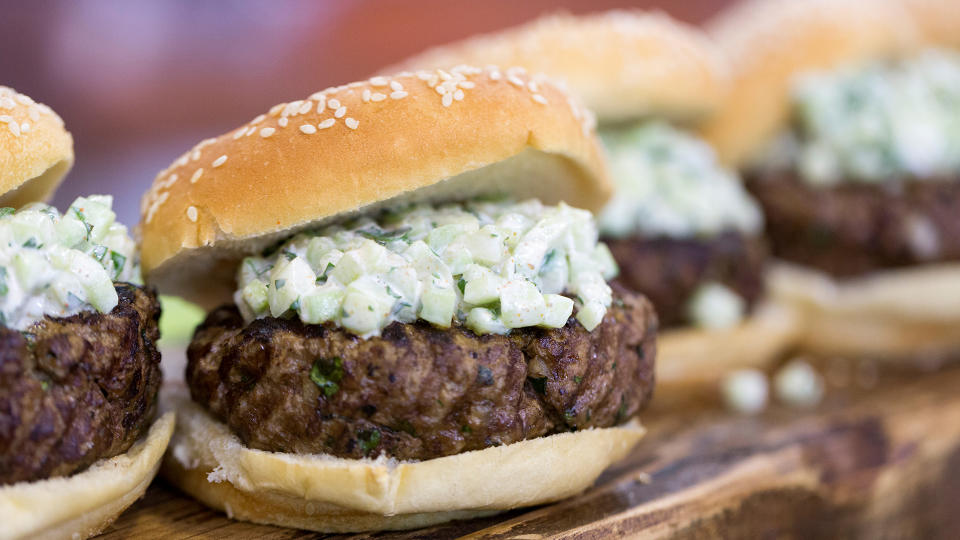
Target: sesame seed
<point>7,103</point>
<point>424,76</point>
<point>267,131</point>
<point>329,122</point>
<point>395,86</point>
<point>334,103</point>
<point>532,85</point>
<point>458,95</point>
<point>34,114</point>
<point>251,130</point>
<point>514,80</point>
<point>196,175</point>
<point>540,99</point>
<point>447,100</point>
<point>308,129</point>
<point>321,103</point>
<point>282,122</point>
<point>239,133</point>
<point>24,99</point>
<point>399,94</point>
<point>444,75</point>
<point>275,110</point>
<point>340,112</point>
<point>195,155</point>
<point>495,76</point>
<point>173,179</point>
<point>25,127</point>
<point>219,161</point>
<point>259,119</point>
<point>442,89</point>
<point>306,107</point>
<point>6,118</point>
<point>14,128</point>
<point>192,213</point>
<point>319,96</point>
<point>379,81</point>
<point>351,123</point>
<point>377,96</point>
<point>366,95</point>
<point>467,85</point>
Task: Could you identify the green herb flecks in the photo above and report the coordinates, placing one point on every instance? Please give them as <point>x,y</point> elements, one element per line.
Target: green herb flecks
<point>383,236</point>
<point>369,439</point>
<point>119,261</point>
<point>4,289</point>
<point>6,211</point>
<point>326,373</point>
<point>322,278</point>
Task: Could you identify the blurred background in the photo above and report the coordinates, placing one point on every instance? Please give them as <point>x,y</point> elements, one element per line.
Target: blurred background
<point>139,82</point>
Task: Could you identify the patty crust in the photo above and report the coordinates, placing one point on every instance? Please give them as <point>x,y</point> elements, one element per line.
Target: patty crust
<point>419,392</point>
<point>670,270</point>
<point>854,228</point>
<point>77,389</point>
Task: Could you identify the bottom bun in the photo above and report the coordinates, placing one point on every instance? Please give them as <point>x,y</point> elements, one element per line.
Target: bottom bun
<point>907,315</point>
<point>694,356</point>
<point>83,505</point>
<point>329,494</point>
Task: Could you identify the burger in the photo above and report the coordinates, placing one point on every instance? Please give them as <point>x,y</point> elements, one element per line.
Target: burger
<point>416,322</point>
<point>681,227</point>
<point>844,120</point>
<point>79,367</point>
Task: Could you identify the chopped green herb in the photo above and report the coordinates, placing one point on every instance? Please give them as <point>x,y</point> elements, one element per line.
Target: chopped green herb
<point>119,261</point>
<point>289,255</point>
<point>379,235</point>
<point>369,308</point>
<point>77,213</point>
<point>369,439</point>
<point>577,379</point>
<point>6,211</point>
<point>4,289</point>
<point>466,429</point>
<point>278,284</point>
<point>295,306</point>
<point>326,373</point>
<point>44,385</point>
<point>548,258</point>
<point>462,284</point>
<point>622,411</point>
<point>322,278</point>
<point>31,243</point>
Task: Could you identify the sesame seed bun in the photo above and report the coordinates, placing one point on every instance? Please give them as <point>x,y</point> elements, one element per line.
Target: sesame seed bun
<point>938,21</point>
<point>334,495</point>
<point>36,151</point>
<point>906,315</point>
<point>769,42</point>
<point>411,137</point>
<point>83,505</point>
<point>623,64</point>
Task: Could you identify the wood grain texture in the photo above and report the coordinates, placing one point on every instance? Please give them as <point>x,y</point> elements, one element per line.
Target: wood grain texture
<point>878,463</point>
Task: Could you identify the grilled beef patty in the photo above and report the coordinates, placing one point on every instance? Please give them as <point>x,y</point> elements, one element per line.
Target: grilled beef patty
<point>419,392</point>
<point>670,270</point>
<point>854,228</point>
<point>77,389</point>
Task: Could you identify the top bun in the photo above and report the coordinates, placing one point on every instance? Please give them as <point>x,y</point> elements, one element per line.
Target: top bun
<point>36,151</point>
<point>768,42</point>
<point>623,64</point>
<point>425,136</point>
<point>938,20</point>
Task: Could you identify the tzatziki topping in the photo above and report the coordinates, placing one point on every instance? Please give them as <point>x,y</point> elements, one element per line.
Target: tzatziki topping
<point>669,183</point>
<point>61,264</point>
<point>490,266</point>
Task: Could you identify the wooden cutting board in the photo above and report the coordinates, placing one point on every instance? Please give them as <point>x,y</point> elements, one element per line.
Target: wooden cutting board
<point>878,462</point>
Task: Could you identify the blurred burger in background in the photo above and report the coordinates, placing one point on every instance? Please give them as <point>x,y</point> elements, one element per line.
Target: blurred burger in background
<point>416,322</point>
<point>845,118</point>
<point>79,369</point>
<point>681,227</point>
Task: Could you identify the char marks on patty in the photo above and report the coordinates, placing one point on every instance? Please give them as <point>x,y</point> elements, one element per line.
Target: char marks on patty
<point>77,389</point>
<point>419,392</point>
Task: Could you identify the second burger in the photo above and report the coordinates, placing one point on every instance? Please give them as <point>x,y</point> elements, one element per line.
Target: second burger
<point>418,327</point>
